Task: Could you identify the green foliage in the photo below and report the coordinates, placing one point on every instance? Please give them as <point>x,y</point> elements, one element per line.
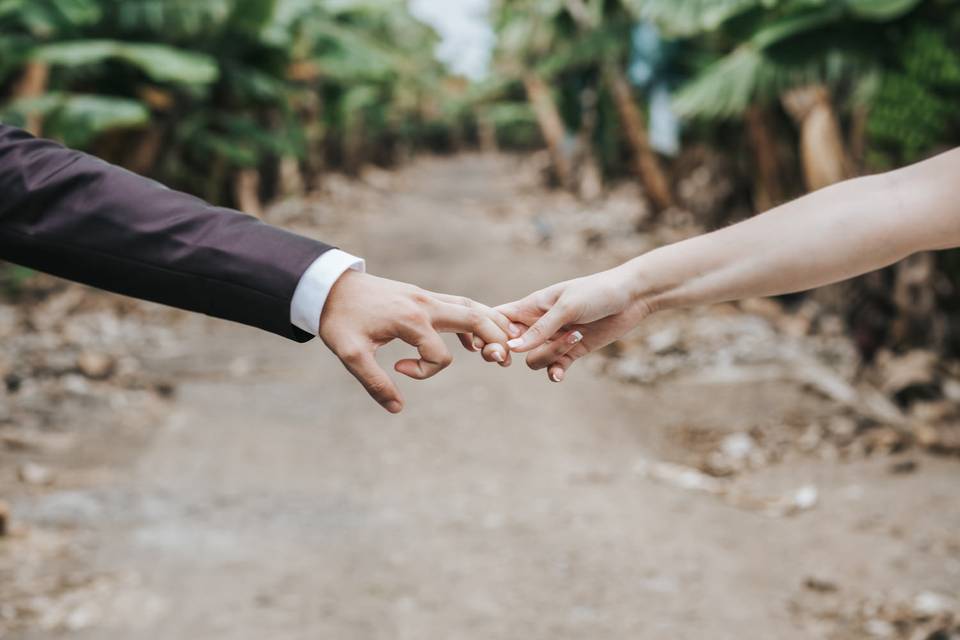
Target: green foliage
<point>160,63</point>
<point>770,46</point>
<point>80,117</point>
<point>915,107</point>
<point>227,84</point>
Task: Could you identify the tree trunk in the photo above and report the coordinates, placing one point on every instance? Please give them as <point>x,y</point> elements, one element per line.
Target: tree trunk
<point>486,132</point>
<point>769,190</point>
<point>246,192</point>
<point>33,83</point>
<point>147,150</point>
<point>551,126</point>
<point>311,118</point>
<point>589,176</point>
<point>822,148</point>
<point>645,162</point>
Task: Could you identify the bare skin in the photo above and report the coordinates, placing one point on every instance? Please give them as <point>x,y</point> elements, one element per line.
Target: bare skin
<point>364,312</point>
<point>827,236</point>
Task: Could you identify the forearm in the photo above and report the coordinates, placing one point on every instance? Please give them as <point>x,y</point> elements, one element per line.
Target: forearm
<point>833,234</point>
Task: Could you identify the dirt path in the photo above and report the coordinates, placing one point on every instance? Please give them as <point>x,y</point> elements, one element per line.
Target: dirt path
<point>279,502</point>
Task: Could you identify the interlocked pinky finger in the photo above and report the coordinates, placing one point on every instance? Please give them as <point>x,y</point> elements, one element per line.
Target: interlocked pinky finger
<point>496,353</point>
<point>466,339</point>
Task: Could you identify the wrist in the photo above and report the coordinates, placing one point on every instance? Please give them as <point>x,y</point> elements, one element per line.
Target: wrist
<point>349,281</point>
<point>640,282</point>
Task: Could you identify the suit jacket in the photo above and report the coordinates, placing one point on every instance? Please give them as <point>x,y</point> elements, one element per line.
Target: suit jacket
<point>72,215</point>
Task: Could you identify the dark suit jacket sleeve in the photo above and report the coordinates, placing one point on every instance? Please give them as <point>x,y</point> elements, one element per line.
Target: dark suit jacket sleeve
<point>72,215</point>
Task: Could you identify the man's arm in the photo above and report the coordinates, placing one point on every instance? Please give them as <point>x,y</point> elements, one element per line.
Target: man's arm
<point>72,215</point>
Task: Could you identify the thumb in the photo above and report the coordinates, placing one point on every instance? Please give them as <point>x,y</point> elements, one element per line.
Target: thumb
<point>542,330</point>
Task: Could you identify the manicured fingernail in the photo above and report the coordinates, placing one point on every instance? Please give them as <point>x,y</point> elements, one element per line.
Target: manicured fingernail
<point>556,376</point>
<point>575,337</point>
<point>497,355</point>
<point>477,344</point>
<point>516,343</point>
<point>393,406</point>
<point>515,330</point>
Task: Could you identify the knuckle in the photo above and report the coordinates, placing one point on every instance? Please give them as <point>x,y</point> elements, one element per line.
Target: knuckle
<point>475,318</point>
<point>377,387</point>
<point>413,316</point>
<point>351,355</point>
<point>420,297</point>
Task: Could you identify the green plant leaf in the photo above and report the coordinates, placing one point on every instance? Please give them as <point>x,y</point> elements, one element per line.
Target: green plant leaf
<point>161,62</point>
<point>79,118</point>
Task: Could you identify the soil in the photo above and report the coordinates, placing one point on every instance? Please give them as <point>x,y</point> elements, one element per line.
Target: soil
<point>272,499</point>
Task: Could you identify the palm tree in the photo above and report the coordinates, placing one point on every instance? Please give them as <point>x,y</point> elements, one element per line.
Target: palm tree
<point>217,96</point>
<point>795,52</point>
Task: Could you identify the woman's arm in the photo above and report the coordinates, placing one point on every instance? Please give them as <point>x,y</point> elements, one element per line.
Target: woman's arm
<point>830,235</point>
<point>833,234</point>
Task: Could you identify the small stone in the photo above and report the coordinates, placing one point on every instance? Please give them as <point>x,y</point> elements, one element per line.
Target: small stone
<point>35,474</point>
<point>842,427</point>
<point>903,467</point>
<point>664,341</point>
<point>879,628</point>
<point>806,497</point>
<point>820,585</point>
<point>97,366</point>
<point>929,604</point>
<point>925,434</point>
<point>737,446</point>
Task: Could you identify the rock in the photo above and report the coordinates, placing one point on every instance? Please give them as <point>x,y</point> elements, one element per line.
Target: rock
<point>679,476</point>
<point>35,474</point>
<point>903,467</point>
<point>842,427</point>
<point>879,628</point>
<point>805,497</point>
<point>933,411</point>
<point>928,604</point>
<point>914,368</point>
<point>925,435</point>
<point>737,446</point>
<point>664,340</point>
<point>4,519</point>
<point>820,585</point>
<point>97,366</point>
<point>951,390</point>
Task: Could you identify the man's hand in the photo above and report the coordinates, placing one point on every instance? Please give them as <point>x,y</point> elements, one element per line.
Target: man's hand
<point>362,313</point>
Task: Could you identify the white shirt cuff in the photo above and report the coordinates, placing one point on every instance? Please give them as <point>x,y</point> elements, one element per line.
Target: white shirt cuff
<point>315,285</point>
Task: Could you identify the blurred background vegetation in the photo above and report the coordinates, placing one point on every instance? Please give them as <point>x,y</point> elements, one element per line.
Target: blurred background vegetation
<point>240,101</point>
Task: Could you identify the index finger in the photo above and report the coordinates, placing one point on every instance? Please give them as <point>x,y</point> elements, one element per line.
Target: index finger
<point>362,364</point>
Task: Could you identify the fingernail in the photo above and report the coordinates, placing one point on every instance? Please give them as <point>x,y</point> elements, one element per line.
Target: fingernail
<point>516,343</point>
<point>515,330</point>
<point>497,355</point>
<point>477,344</point>
<point>556,376</point>
<point>575,337</point>
<point>393,406</point>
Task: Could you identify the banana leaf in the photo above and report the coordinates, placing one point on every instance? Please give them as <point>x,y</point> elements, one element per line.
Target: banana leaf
<point>160,62</point>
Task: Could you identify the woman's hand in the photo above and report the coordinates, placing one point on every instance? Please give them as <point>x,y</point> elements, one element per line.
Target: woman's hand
<point>570,319</point>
